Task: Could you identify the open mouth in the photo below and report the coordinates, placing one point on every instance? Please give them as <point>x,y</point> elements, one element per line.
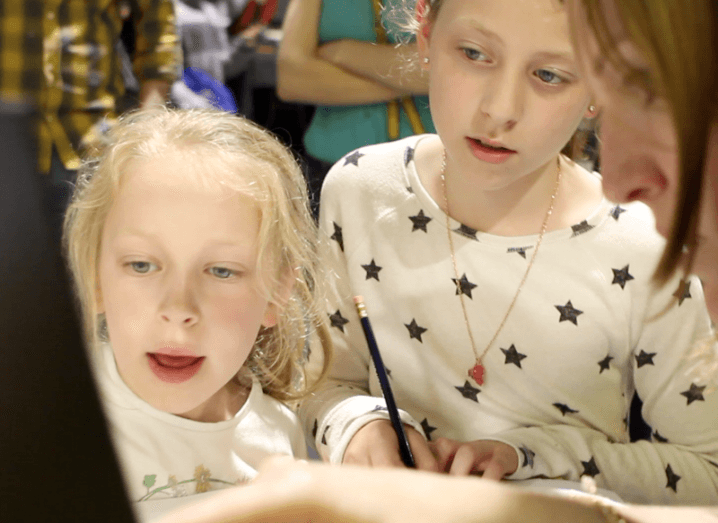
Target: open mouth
<point>174,369</point>
<point>489,153</point>
<point>492,147</point>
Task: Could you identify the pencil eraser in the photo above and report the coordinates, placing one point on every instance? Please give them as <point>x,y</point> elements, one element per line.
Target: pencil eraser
<point>358,299</point>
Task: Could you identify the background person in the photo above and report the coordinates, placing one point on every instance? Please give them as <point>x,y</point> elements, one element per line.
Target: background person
<point>62,56</point>
<point>343,58</point>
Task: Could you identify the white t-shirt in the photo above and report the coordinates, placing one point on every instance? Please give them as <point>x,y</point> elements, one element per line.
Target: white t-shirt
<point>163,455</point>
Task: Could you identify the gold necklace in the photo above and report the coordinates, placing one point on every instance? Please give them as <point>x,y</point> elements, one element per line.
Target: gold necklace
<point>477,370</point>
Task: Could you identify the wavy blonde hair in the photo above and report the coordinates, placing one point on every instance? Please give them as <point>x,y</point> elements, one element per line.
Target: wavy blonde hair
<point>288,238</point>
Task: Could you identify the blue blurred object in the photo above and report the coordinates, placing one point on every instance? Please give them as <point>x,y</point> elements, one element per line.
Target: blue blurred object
<point>204,84</point>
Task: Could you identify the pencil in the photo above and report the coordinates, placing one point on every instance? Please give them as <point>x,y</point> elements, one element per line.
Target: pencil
<point>404,449</point>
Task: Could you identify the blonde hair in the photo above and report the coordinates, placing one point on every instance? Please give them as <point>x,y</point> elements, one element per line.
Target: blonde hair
<point>288,237</point>
<point>679,38</point>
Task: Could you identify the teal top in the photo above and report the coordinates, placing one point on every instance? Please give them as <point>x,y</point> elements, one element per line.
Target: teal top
<point>337,129</point>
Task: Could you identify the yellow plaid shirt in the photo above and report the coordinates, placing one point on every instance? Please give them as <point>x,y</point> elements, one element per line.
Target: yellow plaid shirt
<point>61,54</point>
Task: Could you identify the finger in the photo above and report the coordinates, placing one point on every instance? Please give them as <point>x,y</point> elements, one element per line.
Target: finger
<point>423,457</point>
<point>443,450</point>
<point>493,469</point>
<point>464,461</point>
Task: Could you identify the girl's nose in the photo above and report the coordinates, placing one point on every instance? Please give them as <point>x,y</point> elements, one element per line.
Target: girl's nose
<point>628,174</point>
<point>179,306</point>
<point>502,101</point>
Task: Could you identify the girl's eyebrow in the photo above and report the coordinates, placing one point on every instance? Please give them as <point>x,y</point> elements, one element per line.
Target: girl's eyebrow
<point>551,56</point>
<point>135,233</point>
<point>490,35</point>
<point>476,26</point>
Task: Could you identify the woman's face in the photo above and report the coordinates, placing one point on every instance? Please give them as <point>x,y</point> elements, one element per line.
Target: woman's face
<point>639,148</point>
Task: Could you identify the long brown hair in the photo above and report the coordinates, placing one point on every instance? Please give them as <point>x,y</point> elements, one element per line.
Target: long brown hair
<point>679,38</point>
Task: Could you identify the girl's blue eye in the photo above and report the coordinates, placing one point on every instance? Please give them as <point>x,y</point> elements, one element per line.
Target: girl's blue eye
<point>221,272</point>
<point>549,77</point>
<point>474,54</point>
<point>141,267</point>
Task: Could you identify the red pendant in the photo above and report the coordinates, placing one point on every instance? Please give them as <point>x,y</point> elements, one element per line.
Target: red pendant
<point>477,373</point>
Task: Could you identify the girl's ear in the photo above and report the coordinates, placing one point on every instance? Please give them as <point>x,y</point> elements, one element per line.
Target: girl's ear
<point>274,308</point>
<point>424,32</point>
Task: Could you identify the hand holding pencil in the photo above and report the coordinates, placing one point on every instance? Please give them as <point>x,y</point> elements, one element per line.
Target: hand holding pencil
<point>384,442</point>
<point>404,447</point>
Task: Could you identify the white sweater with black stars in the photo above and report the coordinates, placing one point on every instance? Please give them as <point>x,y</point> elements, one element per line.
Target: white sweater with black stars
<point>561,374</point>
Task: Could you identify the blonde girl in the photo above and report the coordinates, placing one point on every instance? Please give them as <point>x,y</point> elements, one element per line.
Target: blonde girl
<point>510,299</point>
<point>194,258</point>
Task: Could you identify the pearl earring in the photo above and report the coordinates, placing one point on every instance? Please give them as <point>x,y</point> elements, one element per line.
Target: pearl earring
<point>591,108</point>
<point>426,60</point>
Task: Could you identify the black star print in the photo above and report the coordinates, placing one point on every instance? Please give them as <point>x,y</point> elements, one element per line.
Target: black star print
<point>528,455</point>
<point>419,221</point>
<point>428,429</point>
<point>372,270</point>
<point>415,331</point>
<point>672,478</point>
<point>520,250</point>
<point>695,393</point>
<point>513,356</point>
<point>605,363</point>
<point>659,438</point>
<point>568,313</point>
<point>590,468</point>
<point>315,428</point>
<point>468,391</point>
<point>644,358</point>
<point>467,232</point>
<point>408,155</point>
<point>581,228</point>
<point>565,409</point>
<point>621,276</point>
<point>338,321</point>
<point>353,158</point>
<point>683,292</point>
<point>616,212</point>
<point>337,236</point>
<point>409,189</point>
<point>463,286</point>
<point>324,435</point>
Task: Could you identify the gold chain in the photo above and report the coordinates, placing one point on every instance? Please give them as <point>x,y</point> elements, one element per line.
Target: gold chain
<point>521,284</point>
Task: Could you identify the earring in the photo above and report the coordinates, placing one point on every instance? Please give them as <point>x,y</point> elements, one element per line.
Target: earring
<point>426,60</point>
<point>591,109</point>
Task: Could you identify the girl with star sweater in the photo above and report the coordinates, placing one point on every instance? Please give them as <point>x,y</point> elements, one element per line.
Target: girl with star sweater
<point>484,249</point>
